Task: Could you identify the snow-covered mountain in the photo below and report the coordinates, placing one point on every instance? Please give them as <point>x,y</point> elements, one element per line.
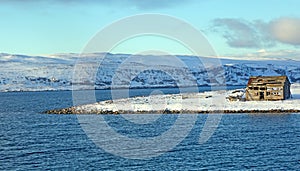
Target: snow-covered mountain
<point>104,70</point>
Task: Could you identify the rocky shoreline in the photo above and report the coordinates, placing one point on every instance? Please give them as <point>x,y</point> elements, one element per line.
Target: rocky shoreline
<point>73,110</point>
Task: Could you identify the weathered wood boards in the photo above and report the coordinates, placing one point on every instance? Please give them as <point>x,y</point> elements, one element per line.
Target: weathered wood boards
<point>268,88</point>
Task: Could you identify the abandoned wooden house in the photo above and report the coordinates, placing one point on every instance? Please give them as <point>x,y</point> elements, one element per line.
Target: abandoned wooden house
<point>268,88</point>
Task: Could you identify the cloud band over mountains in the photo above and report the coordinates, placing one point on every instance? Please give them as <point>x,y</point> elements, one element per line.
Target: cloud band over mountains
<point>258,34</point>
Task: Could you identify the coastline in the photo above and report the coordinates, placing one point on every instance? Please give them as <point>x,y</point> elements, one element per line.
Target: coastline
<point>209,102</point>
<point>108,112</point>
<point>221,87</point>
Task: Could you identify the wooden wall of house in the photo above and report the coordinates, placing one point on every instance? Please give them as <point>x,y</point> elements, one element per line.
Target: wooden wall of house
<point>277,93</point>
<point>251,95</point>
<point>266,88</point>
<point>265,94</point>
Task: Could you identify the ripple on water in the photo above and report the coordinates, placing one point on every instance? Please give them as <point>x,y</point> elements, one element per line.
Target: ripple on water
<point>30,140</point>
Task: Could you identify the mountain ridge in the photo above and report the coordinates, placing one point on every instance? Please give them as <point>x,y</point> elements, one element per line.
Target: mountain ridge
<point>106,70</point>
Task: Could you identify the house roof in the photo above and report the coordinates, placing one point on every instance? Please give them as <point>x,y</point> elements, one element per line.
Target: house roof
<point>264,80</point>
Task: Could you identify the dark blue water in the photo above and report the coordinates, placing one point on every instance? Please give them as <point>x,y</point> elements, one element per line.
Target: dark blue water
<point>32,140</point>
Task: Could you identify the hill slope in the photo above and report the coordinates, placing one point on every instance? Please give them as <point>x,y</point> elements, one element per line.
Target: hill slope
<point>39,73</point>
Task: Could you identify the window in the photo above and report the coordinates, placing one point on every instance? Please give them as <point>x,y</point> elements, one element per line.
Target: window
<point>276,93</point>
<point>255,88</point>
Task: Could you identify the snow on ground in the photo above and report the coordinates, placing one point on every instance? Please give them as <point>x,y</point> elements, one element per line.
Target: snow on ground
<point>193,102</point>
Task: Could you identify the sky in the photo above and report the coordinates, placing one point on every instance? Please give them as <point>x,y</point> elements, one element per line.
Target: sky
<point>239,28</point>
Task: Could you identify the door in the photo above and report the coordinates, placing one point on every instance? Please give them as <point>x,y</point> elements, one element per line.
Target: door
<point>261,95</point>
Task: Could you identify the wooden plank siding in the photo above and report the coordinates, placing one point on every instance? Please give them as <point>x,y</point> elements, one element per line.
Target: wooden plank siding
<point>268,88</point>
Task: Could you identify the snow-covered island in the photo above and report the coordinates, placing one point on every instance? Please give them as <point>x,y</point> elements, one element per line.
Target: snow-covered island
<point>205,102</point>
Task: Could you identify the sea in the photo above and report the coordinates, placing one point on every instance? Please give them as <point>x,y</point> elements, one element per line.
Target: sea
<point>32,140</point>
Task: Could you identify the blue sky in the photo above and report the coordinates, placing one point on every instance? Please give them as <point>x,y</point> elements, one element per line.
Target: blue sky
<point>233,27</point>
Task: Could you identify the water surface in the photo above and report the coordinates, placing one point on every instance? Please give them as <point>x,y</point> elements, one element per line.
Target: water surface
<point>32,140</point>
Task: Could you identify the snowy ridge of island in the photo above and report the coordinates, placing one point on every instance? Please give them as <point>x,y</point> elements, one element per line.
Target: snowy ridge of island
<point>206,102</point>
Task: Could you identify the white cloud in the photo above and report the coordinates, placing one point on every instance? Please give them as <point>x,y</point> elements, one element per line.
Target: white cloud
<point>259,34</point>
<point>286,30</point>
<point>262,51</point>
<point>230,28</point>
<point>278,54</point>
